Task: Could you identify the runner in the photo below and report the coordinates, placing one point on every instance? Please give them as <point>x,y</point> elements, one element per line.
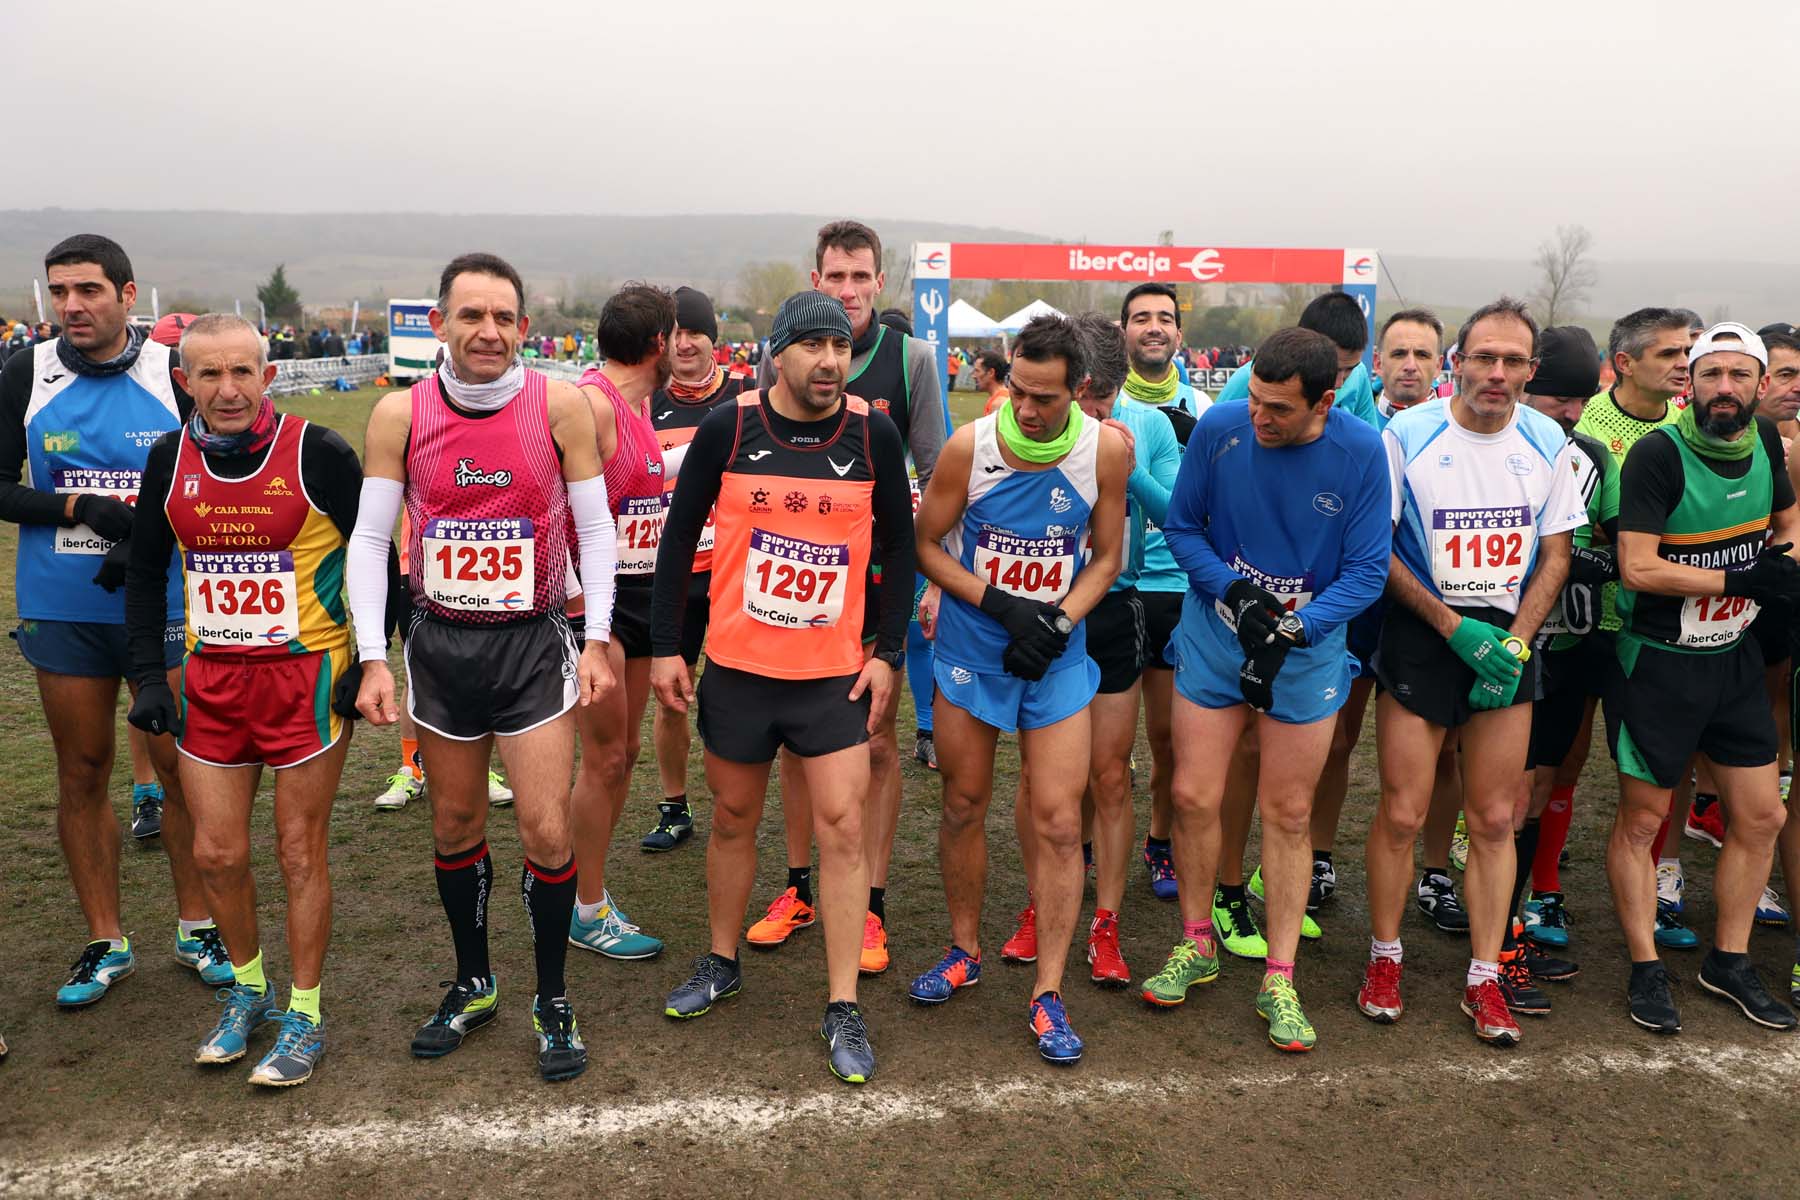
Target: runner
<point>897,375</point>
<point>794,478</point>
<point>1279,519</point>
<point>260,507</point>
<point>1151,318</point>
<point>990,377</point>
<point>1483,504</point>
<point>697,385</point>
<point>1648,352</point>
<point>635,335</point>
<point>473,450</point>
<point>1001,531</point>
<point>1705,524</point>
<point>79,412</point>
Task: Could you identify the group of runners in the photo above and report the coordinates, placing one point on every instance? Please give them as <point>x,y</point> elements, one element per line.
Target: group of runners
<point>1103,540</point>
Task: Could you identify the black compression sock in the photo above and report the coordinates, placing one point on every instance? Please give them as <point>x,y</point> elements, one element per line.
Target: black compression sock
<point>800,879</point>
<point>549,901</point>
<point>464,879</point>
<point>878,902</point>
<point>1323,856</point>
<point>1441,872</point>
<point>1155,843</point>
<point>1525,844</point>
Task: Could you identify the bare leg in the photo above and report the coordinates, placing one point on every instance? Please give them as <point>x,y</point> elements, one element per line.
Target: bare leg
<point>1114,719</point>
<point>80,712</point>
<point>1408,746</point>
<point>1292,758</point>
<point>839,784</point>
<point>965,749</point>
<point>1753,800</point>
<point>303,796</point>
<point>1495,746</point>
<point>220,800</point>
<point>1056,760</point>
<point>1159,690</point>
<point>1238,807</point>
<point>1630,867</point>
<point>1334,780</point>
<point>1198,794</point>
<point>738,790</point>
<point>609,750</point>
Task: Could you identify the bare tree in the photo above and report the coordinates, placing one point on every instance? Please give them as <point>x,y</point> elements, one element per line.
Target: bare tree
<point>1565,274</point>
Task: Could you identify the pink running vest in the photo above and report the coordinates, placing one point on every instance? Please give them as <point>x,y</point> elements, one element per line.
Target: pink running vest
<point>634,482</point>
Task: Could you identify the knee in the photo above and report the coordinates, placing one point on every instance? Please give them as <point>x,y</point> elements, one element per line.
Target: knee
<point>884,753</point>
<point>732,818</point>
<point>1191,800</point>
<point>1399,820</point>
<point>1291,817</point>
<point>1059,829</point>
<point>1489,825</point>
<point>963,810</point>
<point>302,856</point>
<point>215,856</point>
<point>83,776</point>
<point>1112,787</point>
<point>839,831</point>
<point>1757,824</point>
<point>1639,824</point>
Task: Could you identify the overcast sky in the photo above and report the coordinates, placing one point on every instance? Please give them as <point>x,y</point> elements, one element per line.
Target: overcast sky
<point>1425,128</point>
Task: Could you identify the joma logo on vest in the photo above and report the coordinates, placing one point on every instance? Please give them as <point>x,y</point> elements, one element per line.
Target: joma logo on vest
<point>469,475</point>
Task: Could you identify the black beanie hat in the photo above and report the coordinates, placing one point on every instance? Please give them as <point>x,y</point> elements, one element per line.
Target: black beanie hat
<point>1568,363</point>
<point>804,313</point>
<point>694,313</point>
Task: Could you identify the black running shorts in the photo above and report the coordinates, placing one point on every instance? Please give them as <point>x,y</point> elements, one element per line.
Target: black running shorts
<point>1673,704</point>
<point>1162,613</point>
<point>1772,630</point>
<point>746,718</point>
<point>467,681</point>
<point>1115,639</point>
<point>1424,674</point>
<point>1587,670</point>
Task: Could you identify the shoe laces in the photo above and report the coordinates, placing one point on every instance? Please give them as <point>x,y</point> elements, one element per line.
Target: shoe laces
<point>1238,920</point>
<point>1514,969</point>
<point>1284,999</point>
<point>240,1003</point>
<point>1181,958</point>
<point>783,906</point>
<point>1055,1015</point>
<point>1384,971</point>
<point>296,1027</point>
<point>1490,1004</point>
<point>851,1034</point>
<point>1668,883</point>
<point>556,1021</point>
<point>212,945</point>
<point>871,927</point>
<point>708,970</point>
<point>454,1002</point>
<point>1551,912</point>
<point>1027,918</point>
<point>88,964</point>
<point>400,781</point>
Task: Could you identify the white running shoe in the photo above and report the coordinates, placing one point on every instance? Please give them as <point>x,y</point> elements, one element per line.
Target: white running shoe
<point>499,795</point>
<point>401,788</point>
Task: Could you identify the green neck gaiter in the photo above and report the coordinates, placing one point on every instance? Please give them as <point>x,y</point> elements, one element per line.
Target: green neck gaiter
<point>1139,388</point>
<point>1039,452</point>
<point>1708,446</point>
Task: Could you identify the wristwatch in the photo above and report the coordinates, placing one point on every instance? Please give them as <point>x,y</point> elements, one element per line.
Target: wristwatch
<point>895,659</point>
<point>1516,647</point>
<point>1292,628</point>
<point>1063,625</point>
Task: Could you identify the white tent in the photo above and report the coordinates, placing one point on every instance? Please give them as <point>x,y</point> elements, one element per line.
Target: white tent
<point>967,321</point>
<point>1018,320</point>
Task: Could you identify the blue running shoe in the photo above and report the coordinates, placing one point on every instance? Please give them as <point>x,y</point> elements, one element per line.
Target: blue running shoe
<point>245,1009</point>
<point>1547,920</point>
<point>1162,871</point>
<point>1671,933</point>
<point>99,967</point>
<point>146,810</point>
<point>1056,1039</point>
<point>205,952</point>
<point>957,969</point>
<point>298,1049</point>
<point>852,1058</point>
<point>611,933</point>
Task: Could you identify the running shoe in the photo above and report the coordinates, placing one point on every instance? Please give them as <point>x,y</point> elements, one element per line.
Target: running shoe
<point>787,913</point>
<point>1741,985</point>
<point>1485,1005</point>
<point>1459,844</point>
<point>674,825</point>
<point>1324,884</point>
<point>1021,947</point>
<point>1309,928</point>
<point>1671,882</point>
<point>1517,987</point>
<point>957,969</point>
<point>1056,1039</point>
<point>245,1010</point>
<point>1769,910</point>
<point>401,787</point>
<point>463,1010</point>
<point>99,967</point>
<point>1186,968</point>
<point>1793,987</point>
<point>1379,997</point>
<point>1547,967</point>
<point>1107,965</point>
<point>1236,926</point>
<point>1671,934</point>
<point>925,754</point>
<point>1161,862</point>
<point>874,958</point>
<point>1437,899</point>
<point>1547,920</point>
<point>1650,1001</point>
<point>1279,1005</point>
<point>1708,826</point>
<point>715,978</point>
<point>297,1050</point>
<point>205,953</point>
<point>499,795</point>
<point>611,933</point>
<point>561,1052</point>
<point>852,1058</point>
<point>146,810</point>
<point>1786,785</point>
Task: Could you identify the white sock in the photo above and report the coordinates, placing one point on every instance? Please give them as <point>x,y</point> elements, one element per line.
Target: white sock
<point>1387,950</point>
<point>118,943</point>
<point>1669,862</point>
<point>188,927</point>
<point>590,912</point>
<point>1480,972</point>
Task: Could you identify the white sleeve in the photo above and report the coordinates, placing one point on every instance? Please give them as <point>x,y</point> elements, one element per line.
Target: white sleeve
<point>598,542</point>
<point>1396,456</point>
<point>672,460</point>
<point>366,564</point>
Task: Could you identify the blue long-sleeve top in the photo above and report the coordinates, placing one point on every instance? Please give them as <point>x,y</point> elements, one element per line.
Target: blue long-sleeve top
<point>1310,523</point>
<point>1356,397</point>
<point>1156,459</point>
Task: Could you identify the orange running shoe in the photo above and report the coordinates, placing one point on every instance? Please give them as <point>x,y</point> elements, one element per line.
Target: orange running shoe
<point>788,913</point>
<point>1021,947</point>
<point>874,951</point>
<point>1109,969</point>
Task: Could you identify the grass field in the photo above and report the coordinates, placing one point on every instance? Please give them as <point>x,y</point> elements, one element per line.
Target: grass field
<point>106,1101</point>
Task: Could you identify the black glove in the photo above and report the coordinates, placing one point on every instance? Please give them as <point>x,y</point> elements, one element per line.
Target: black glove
<point>1258,612</point>
<point>1592,565</point>
<point>153,710</point>
<point>111,574</point>
<point>109,518</point>
<point>1256,678</point>
<point>1031,622</point>
<point>1772,577</point>
<point>343,694</point>
<point>1026,661</point>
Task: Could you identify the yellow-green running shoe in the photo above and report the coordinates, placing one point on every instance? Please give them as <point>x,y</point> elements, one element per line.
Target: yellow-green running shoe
<point>1309,928</point>
<point>1459,844</point>
<point>1236,926</point>
<point>1186,968</point>
<point>1280,1007</point>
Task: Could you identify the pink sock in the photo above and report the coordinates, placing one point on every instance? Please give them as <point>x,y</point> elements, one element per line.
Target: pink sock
<point>1200,933</point>
<point>1274,966</point>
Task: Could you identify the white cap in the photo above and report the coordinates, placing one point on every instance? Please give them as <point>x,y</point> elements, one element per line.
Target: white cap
<point>1730,335</point>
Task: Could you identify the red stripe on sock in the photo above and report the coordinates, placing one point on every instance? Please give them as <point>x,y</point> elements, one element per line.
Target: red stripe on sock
<point>561,874</point>
<point>467,858</point>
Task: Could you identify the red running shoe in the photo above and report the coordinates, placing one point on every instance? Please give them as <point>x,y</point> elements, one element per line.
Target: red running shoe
<point>1486,1006</point>
<point>1379,996</point>
<point>1021,947</point>
<point>1109,969</point>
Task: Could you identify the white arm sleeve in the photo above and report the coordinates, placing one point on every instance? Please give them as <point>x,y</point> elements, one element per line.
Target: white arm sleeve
<point>366,564</point>
<point>597,539</point>
<point>672,460</point>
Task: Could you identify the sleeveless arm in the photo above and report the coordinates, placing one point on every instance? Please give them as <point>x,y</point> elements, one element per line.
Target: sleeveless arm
<point>147,576</point>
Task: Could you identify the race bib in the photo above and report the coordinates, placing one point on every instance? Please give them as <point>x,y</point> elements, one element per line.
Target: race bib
<point>1292,590</point>
<point>1479,552</point>
<point>640,532</point>
<point>916,495</point>
<point>1575,611</point>
<point>1033,568</point>
<point>794,584</point>
<point>1710,622</point>
<point>705,544</point>
<point>242,598</point>
<point>479,565</point>
<point>120,485</point>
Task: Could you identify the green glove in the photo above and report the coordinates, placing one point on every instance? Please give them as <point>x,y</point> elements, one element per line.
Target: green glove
<point>1485,695</point>
<point>1483,647</point>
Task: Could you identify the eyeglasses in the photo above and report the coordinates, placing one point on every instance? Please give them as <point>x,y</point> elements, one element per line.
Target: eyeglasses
<point>1514,363</point>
